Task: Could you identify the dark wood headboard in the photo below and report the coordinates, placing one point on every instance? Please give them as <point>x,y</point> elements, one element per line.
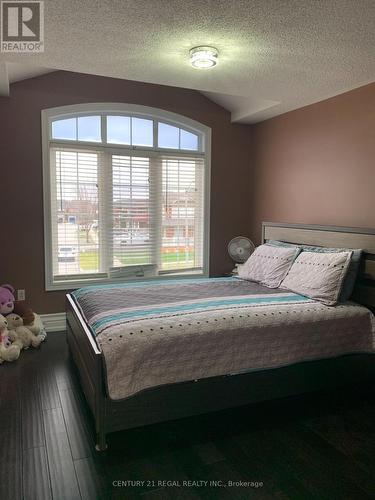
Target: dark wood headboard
<point>337,237</point>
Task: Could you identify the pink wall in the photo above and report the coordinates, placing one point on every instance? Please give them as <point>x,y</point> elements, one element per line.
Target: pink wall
<point>316,165</point>
<point>21,248</point>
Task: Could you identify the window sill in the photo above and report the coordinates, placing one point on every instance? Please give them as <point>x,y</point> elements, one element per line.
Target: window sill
<point>73,285</point>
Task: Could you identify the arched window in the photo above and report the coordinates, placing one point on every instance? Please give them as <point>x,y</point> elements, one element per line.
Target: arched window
<point>126,194</point>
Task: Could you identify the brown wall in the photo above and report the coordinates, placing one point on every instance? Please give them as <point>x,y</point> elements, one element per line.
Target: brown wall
<point>317,164</point>
<point>21,248</point>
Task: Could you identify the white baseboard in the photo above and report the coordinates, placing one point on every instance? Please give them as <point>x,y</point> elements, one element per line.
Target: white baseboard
<point>54,322</point>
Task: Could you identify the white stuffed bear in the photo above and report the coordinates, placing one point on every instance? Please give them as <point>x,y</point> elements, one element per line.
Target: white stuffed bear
<point>21,335</point>
<point>37,327</point>
<point>8,352</point>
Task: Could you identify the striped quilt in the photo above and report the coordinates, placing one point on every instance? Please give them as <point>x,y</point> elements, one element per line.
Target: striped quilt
<point>163,332</point>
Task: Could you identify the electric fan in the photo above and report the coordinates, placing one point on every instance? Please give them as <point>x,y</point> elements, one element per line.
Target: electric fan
<point>240,248</point>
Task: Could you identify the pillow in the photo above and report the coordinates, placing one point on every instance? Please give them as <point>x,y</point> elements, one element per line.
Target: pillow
<point>351,275</point>
<point>318,275</point>
<point>268,265</point>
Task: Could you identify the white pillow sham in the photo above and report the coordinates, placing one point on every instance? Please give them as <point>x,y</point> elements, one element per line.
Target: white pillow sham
<point>319,276</point>
<point>268,265</point>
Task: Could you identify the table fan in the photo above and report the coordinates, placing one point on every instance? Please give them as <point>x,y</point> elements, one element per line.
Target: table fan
<point>240,248</point>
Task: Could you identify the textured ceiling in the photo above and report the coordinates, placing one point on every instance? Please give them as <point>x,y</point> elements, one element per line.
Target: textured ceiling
<point>275,55</point>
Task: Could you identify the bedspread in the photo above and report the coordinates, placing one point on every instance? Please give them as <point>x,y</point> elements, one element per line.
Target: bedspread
<point>164,332</point>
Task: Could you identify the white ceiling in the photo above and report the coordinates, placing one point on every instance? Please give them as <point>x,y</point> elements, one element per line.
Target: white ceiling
<point>275,55</point>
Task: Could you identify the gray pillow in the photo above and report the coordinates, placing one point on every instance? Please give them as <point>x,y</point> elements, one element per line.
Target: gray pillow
<point>318,275</point>
<point>352,272</point>
<point>268,265</point>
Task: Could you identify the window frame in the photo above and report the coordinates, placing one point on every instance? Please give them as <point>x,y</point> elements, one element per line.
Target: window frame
<point>120,109</point>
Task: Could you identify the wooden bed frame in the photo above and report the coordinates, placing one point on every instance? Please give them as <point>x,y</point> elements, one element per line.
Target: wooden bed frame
<point>185,399</point>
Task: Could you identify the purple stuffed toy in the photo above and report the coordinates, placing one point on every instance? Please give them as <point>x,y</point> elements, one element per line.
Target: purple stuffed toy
<point>6,299</point>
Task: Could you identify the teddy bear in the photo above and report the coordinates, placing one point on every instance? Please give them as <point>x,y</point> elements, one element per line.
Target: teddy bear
<point>37,327</point>
<point>8,351</point>
<point>6,299</point>
<point>30,319</point>
<point>21,335</point>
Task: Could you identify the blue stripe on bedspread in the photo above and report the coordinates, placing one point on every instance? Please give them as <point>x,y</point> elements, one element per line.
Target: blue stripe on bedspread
<point>112,319</point>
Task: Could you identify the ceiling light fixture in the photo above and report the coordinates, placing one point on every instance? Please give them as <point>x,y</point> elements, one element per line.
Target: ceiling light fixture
<point>204,57</point>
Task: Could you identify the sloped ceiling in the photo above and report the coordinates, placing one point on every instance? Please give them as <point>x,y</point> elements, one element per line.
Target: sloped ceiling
<point>275,55</point>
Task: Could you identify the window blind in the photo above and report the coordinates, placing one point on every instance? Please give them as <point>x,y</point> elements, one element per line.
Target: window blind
<point>75,211</point>
<point>182,209</point>
<point>129,214</point>
<point>133,235</point>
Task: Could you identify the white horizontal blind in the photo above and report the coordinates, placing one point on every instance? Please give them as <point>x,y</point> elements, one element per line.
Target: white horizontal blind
<point>118,215</point>
<point>75,211</point>
<point>182,209</point>
<point>133,236</point>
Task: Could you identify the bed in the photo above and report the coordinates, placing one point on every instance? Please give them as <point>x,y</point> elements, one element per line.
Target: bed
<point>160,350</point>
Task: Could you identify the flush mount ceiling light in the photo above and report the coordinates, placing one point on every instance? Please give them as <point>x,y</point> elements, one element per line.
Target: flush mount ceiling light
<point>204,57</point>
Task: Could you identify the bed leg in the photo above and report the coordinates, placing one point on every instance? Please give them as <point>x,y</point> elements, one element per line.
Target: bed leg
<point>101,444</point>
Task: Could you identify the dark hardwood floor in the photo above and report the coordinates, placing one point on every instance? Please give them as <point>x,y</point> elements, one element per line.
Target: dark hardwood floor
<point>320,446</point>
